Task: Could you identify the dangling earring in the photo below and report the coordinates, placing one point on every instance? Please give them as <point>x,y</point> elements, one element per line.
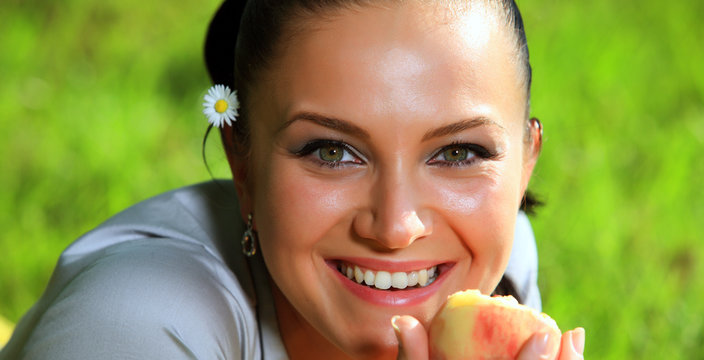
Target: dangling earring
<point>534,122</point>
<point>249,238</point>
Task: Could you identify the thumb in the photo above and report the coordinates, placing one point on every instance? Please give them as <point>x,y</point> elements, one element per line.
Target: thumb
<point>412,338</point>
<point>540,346</point>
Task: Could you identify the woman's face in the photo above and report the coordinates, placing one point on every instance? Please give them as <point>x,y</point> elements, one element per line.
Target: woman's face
<point>389,142</point>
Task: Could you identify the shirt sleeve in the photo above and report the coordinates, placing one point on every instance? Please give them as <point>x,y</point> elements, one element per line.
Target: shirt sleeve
<point>522,268</point>
<point>145,300</point>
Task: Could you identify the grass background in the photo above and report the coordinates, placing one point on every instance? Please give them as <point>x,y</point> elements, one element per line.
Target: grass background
<point>99,108</point>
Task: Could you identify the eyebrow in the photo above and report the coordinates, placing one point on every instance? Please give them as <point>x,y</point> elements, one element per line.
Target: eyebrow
<point>460,126</point>
<point>354,130</point>
<point>328,122</point>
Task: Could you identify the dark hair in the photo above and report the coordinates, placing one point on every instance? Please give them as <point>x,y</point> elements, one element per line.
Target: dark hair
<point>506,287</point>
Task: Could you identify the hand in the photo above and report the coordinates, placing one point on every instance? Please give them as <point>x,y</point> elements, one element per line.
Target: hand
<point>412,338</point>
<point>413,343</point>
<point>571,347</point>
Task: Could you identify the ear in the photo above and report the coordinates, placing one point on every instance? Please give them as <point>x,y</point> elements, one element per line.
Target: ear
<point>238,158</point>
<point>534,143</point>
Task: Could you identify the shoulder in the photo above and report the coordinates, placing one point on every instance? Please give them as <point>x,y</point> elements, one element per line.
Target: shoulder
<point>147,298</point>
<point>149,287</point>
<point>201,217</point>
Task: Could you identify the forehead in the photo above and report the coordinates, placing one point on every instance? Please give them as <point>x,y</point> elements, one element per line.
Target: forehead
<point>406,60</point>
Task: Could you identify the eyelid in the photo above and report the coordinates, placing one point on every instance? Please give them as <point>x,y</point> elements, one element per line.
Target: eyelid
<point>477,151</point>
<point>315,145</point>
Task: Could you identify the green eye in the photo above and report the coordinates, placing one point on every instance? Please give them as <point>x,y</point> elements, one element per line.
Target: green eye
<point>455,154</point>
<point>331,153</point>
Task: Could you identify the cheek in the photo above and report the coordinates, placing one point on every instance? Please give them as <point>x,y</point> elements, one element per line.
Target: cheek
<point>482,212</point>
<point>295,211</point>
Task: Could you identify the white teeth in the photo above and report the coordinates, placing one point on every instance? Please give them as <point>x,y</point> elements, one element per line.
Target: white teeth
<point>385,280</point>
<point>423,277</point>
<point>382,280</point>
<point>412,278</point>
<point>369,277</point>
<point>343,269</point>
<point>399,280</point>
<point>358,275</point>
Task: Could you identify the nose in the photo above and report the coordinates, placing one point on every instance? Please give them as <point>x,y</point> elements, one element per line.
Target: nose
<point>395,217</point>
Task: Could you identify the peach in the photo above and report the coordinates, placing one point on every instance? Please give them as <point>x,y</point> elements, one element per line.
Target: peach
<point>472,326</point>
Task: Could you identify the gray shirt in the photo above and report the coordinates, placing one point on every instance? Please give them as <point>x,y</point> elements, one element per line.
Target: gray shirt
<point>166,279</point>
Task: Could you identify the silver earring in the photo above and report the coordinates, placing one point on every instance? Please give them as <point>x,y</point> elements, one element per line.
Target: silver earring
<point>249,238</point>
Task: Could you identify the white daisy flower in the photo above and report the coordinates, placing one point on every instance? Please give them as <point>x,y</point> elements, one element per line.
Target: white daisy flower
<point>221,105</point>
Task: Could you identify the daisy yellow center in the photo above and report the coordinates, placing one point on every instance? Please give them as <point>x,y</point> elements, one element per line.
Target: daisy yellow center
<point>221,106</point>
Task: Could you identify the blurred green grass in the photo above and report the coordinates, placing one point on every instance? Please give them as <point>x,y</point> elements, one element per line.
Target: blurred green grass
<point>99,108</point>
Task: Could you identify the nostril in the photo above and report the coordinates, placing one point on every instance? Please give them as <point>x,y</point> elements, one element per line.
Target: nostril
<point>391,224</point>
<point>402,231</point>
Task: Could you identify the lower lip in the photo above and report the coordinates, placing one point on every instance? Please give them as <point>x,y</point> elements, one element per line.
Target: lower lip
<point>407,297</point>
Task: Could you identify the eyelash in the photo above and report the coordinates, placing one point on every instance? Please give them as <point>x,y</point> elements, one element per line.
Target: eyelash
<point>318,145</point>
<point>475,152</point>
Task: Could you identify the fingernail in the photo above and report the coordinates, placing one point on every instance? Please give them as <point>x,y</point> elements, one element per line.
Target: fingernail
<point>540,345</point>
<point>578,340</point>
<point>396,329</point>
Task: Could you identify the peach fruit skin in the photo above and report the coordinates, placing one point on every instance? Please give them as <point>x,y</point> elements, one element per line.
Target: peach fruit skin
<point>472,326</point>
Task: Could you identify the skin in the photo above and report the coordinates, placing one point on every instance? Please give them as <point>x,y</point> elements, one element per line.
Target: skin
<point>395,79</point>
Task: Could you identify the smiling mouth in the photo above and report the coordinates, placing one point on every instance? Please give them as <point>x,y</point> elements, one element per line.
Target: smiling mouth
<point>385,280</point>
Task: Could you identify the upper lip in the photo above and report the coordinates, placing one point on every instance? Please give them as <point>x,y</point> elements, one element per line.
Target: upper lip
<point>389,265</point>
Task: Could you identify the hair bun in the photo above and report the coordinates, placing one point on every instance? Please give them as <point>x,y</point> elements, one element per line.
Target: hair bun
<point>221,41</point>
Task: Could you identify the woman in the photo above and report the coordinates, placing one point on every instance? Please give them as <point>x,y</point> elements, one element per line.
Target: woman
<point>380,155</point>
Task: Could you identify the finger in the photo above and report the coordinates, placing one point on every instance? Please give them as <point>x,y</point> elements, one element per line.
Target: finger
<point>412,338</point>
<point>540,346</point>
<point>572,347</point>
